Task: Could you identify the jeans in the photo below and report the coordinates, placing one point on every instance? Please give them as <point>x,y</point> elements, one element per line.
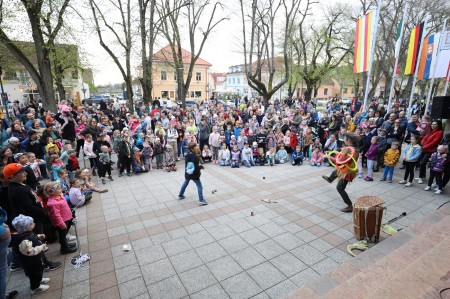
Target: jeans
<point>3,265</point>
<point>388,171</point>
<point>199,188</point>
<point>248,163</point>
<point>370,164</point>
<point>224,162</point>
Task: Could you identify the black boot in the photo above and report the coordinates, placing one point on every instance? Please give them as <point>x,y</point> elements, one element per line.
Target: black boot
<point>93,172</point>
<point>110,178</point>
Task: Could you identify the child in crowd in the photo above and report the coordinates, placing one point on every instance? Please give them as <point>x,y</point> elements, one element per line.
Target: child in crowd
<point>35,164</point>
<point>60,214</point>
<point>382,146</point>
<point>63,180</point>
<point>242,140</point>
<point>271,140</point>
<point>371,156</point>
<point>391,158</point>
<point>56,166</point>
<point>316,157</point>
<point>116,145</point>
<point>270,156</point>
<point>224,155</point>
<point>146,156</point>
<point>214,141</point>
<point>233,142</point>
<point>282,155</point>
<point>88,149</point>
<point>72,163</point>
<point>247,156</point>
<point>206,154</point>
<point>410,157</point>
<point>424,126</point>
<point>136,162</point>
<point>29,248</point>
<point>308,142</point>
<point>84,175</point>
<point>436,165</point>
<point>76,197</point>
<point>158,152</point>
<point>261,138</point>
<point>297,156</point>
<point>255,151</point>
<point>228,133</point>
<point>104,164</point>
<point>235,157</point>
<point>169,159</point>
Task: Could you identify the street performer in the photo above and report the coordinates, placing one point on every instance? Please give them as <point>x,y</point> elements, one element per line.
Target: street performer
<point>346,167</point>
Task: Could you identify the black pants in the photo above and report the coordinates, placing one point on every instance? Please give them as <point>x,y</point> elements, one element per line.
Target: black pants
<point>435,175</point>
<point>409,171</point>
<point>34,272</point>
<point>104,169</point>
<point>424,157</point>
<point>340,187</point>
<point>205,142</point>
<point>380,160</point>
<point>446,177</point>
<point>125,162</point>
<point>62,233</point>
<point>80,143</point>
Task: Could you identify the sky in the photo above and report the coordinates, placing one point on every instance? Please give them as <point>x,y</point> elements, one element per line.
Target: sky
<point>222,49</point>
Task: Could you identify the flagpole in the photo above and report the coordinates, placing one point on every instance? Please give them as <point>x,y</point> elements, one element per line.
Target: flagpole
<point>372,50</point>
<point>397,54</point>
<point>430,89</point>
<point>416,71</point>
<point>447,79</point>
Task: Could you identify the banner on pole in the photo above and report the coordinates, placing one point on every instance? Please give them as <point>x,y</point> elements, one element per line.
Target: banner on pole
<point>413,49</point>
<point>363,42</point>
<point>428,56</point>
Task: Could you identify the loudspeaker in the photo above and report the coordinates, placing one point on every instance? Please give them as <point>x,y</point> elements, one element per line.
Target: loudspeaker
<point>440,109</point>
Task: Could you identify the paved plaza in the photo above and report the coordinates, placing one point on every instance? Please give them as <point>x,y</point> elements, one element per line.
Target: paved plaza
<point>182,250</point>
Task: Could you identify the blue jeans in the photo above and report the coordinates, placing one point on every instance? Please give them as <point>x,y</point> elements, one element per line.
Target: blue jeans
<point>388,170</point>
<point>224,162</point>
<point>248,163</point>
<point>199,188</point>
<point>3,265</point>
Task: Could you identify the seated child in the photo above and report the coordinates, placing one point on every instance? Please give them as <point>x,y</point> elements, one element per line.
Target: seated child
<point>282,155</point>
<point>169,159</point>
<point>30,251</point>
<point>235,157</point>
<point>297,156</point>
<point>87,186</point>
<point>224,155</point>
<point>270,156</point>
<point>247,156</point>
<point>261,160</point>
<point>255,151</point>
<point>76,197</point>
<point>317,157</point>
<point>206,154</point>
<point>136,162</point>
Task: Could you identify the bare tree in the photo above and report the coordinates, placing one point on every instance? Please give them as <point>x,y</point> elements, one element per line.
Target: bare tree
<point>122,32</point>
<point>46,18</point>
<point>260,30</point>
<point>196,13</point>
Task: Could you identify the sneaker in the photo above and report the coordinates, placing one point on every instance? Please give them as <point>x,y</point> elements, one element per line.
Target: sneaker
<point>128,174</point>
<point>120,174</point>
<point>434,186</point>
<point>103,181</point>
<point>327,179</point>
<point>419,181</point>
<point>12,295</point>
<point>110,178</point>
<point>180,197</point>
<point>69,238</point>
<point>202,202</point>
<point>347,209</point>
<point>68,250</point>
<point>41,289</point>
<point>390,182</point>
<point>438,191</point>
<point>360,175</point>
<point>383,179</point>
<point>427,188</point>
<point>368,179</point>
<point>408,184</point>
<point>52,266</point>
<point>402,182</point>
<point>45,280</point>
<point>15,267</point>
<point>178,159</point>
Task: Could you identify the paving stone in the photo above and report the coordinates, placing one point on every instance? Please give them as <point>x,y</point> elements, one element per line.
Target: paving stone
<point>306,236</point>
<point>197,279</point>
<point>199,238</point>
<point>241,286</point>
<point>125,260</point>
<point>221,231</point>
<point>150,255</point>
<point>176,246</point>
<point>338,255</point>
<point>308,254</point>
<point>144,243</point>
<point>233,243</point>
<point>170,288</point>
<point>128,273</point>
<point>157,271</point>
<point>185,261</point>
<point>266,275</point>
<point>272,229</point>
<point>132,288</point>
<point>77,290</point>
<point>269,249</point>
<point>248,257</point>
<point>215,291</point>
<point>304,277</point>
<point>288,264</point>
<point>73,276</point>
<point>321,245</point>
<point>282,289</point>
<point>224,267</point>
<point>288,241</point>
<point>253,236</point>
<point>324,266</point>
<point>161,238</point>
<point>210,252</point>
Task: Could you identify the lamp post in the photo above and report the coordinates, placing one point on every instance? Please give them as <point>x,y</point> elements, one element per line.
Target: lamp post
<point>4,95</point>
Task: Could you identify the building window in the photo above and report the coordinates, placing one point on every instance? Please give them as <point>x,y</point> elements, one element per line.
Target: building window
<point>229,81</point>
<point>75,74</point>
<point>198,76</point>
<point>325,91</point>
<point>198,94</point>
<point>238,80</point>
<point>175,76</point>
<point>164,94</point>
<point>233,81</point>
<point>163,75</point>
<point>344,90</point>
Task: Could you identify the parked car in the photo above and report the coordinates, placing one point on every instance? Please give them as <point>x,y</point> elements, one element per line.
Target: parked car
<point>346,100</point>
<point>189,103</point>
<point>96,100</point>
<point>169,104</point>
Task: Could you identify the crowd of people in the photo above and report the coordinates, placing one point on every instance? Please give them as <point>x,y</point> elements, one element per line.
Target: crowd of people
<point>48,158</point>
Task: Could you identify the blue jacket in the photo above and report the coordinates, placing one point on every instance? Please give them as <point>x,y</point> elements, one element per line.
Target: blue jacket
<point>297,155</point>
<point>415,153</point>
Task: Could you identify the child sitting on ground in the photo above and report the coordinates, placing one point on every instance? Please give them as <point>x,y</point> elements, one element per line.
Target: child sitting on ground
<point>206,154</point>
<point>136,161</point>
<point>76,197</point>
<point>84,175</point>
<point>169,159</point>
<point>297,156</point>
<point>317,157</point>
<point>29,248</point>
<point>224,155</point>
<point>255,151</point>
<point>261,160</point>
<point>282,155</point>
<point>391,158</point>
<point>247,156</point>
<point>270,156</point>
<point>235,157</point>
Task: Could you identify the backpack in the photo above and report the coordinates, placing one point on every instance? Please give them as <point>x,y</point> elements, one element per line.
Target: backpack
<point>190,168</point>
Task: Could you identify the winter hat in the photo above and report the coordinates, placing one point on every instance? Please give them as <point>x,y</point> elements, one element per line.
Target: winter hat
<point>442,149</point>
<point>21,223</point>
<point>255,143</point>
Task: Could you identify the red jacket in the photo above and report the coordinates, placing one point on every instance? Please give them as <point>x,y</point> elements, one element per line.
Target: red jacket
<point>431,140</point>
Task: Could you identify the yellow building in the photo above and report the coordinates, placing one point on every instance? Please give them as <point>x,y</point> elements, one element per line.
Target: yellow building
<point>165,76</point>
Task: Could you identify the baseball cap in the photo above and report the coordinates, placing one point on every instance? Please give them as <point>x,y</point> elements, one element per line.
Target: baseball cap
<point>17,156</point>
<point>12,169</point>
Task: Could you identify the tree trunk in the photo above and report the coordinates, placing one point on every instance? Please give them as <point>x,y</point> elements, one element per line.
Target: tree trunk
<point>61,91</point>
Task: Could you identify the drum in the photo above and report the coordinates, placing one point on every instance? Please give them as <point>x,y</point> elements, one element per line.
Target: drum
<point>367,217</point>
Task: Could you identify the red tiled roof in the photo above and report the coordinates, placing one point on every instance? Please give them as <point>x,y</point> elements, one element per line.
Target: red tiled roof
<point>165,55</point>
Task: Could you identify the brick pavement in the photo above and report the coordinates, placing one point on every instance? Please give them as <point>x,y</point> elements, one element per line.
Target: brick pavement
<point>182,250</point>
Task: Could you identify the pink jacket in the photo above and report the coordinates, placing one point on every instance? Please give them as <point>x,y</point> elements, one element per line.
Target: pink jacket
<point>317,157</point>
<point>58,210</point>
